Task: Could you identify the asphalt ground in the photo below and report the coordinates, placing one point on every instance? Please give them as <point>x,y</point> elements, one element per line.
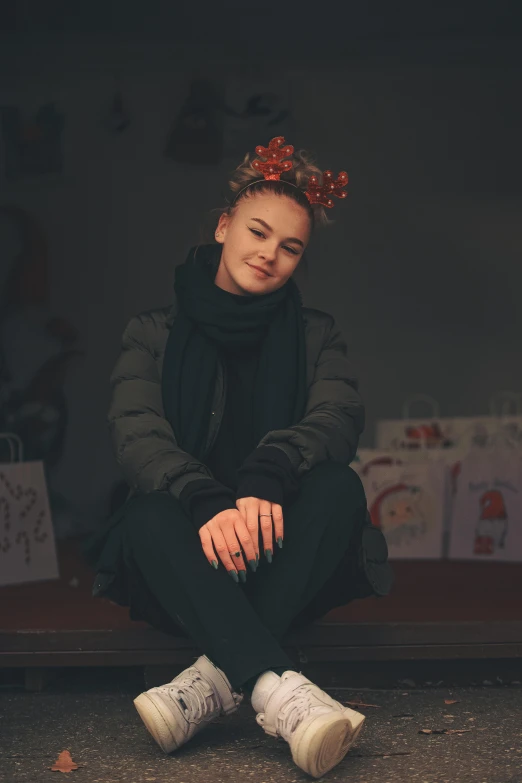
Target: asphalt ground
<point>90,713</point>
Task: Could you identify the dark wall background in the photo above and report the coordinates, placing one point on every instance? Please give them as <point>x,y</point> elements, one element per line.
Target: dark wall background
<point>422,269</point>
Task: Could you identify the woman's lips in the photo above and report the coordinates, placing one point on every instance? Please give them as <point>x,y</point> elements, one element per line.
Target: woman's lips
<point>258,272</point>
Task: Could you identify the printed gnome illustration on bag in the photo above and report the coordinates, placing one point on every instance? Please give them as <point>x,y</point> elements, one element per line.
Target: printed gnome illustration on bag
<point>397,511</point>
<point>492,527</point>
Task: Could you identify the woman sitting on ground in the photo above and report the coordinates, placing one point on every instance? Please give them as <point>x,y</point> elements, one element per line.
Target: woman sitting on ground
<point>234,417</point>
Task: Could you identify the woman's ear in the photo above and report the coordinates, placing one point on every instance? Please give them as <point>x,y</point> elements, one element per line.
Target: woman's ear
<point>221,229</point>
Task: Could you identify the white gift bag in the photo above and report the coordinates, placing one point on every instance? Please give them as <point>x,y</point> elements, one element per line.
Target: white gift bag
<point>486,520</point>
<point>450,437</point>
<point>410,434</point>
<point>27,543</point>
<point>366,459</point>
<point>408,503</point>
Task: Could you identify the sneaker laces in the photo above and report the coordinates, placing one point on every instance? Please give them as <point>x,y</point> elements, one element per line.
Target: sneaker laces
<point>195,694</point>
<point>299,705</point>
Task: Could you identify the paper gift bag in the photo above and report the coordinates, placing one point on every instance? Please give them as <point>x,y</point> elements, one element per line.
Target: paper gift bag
<point>408,433</point>
<point>487,507</point>
<point>27,543</point>
<point>366,459</point>
<point>408,503</point>
<point>451,436</point>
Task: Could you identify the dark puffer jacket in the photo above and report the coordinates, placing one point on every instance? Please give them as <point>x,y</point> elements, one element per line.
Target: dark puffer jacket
<point>143,439</point>
<point>151,460</point>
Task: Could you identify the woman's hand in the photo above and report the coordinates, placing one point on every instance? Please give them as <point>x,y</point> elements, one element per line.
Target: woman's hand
<point>227,534</point>
<point>253,511</point>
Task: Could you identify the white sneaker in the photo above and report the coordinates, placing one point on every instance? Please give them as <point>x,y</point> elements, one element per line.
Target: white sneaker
<point>174,712</point>
<point>319,730</point>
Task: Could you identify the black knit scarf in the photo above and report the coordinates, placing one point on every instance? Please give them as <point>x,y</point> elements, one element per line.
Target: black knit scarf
<point>210,318</point>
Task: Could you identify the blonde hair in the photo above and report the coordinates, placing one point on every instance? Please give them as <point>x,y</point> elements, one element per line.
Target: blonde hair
<point>303,168</point>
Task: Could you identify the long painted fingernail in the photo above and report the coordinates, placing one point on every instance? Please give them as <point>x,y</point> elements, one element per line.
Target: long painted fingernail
<point>234,576</point>
<point>257,559</point>
<point>214,563</point>
<point>242,576</point>
<point>280,542</point>
<point>253,565</point>
<point>268,555</point>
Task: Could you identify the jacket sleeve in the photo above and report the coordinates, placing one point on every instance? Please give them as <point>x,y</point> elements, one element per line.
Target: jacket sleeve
<point>202,499</point>
<point>267,473</point>
<point>142,438</point>
<point>334,416</point>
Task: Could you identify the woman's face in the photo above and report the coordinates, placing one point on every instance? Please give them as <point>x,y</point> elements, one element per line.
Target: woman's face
<point>267,231</point>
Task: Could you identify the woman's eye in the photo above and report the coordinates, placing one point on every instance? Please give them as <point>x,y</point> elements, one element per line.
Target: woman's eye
<point>285,247</point>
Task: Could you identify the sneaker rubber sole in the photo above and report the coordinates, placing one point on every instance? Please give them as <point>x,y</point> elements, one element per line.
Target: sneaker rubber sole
<point>322,741</point>
<point>157,723</point>
<point>161,723</point>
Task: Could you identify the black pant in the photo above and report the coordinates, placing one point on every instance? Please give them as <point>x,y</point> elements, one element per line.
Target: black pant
<point>239,626</point>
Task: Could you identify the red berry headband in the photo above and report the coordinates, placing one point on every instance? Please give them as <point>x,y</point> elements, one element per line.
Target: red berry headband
<point>274,165</point>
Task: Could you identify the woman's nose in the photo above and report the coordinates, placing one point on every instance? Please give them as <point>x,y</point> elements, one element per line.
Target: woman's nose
<point>268,253</point>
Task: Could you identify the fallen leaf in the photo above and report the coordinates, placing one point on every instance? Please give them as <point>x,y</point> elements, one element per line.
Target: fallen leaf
<point>451,701</point>
<point>64,763</point>
<point>360,704</point>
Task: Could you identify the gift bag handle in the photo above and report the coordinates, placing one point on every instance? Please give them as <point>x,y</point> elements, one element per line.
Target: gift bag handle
<point>406,412</point>
<point>505,399</point>
<point>16,446</point>
<point>501,402</point>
